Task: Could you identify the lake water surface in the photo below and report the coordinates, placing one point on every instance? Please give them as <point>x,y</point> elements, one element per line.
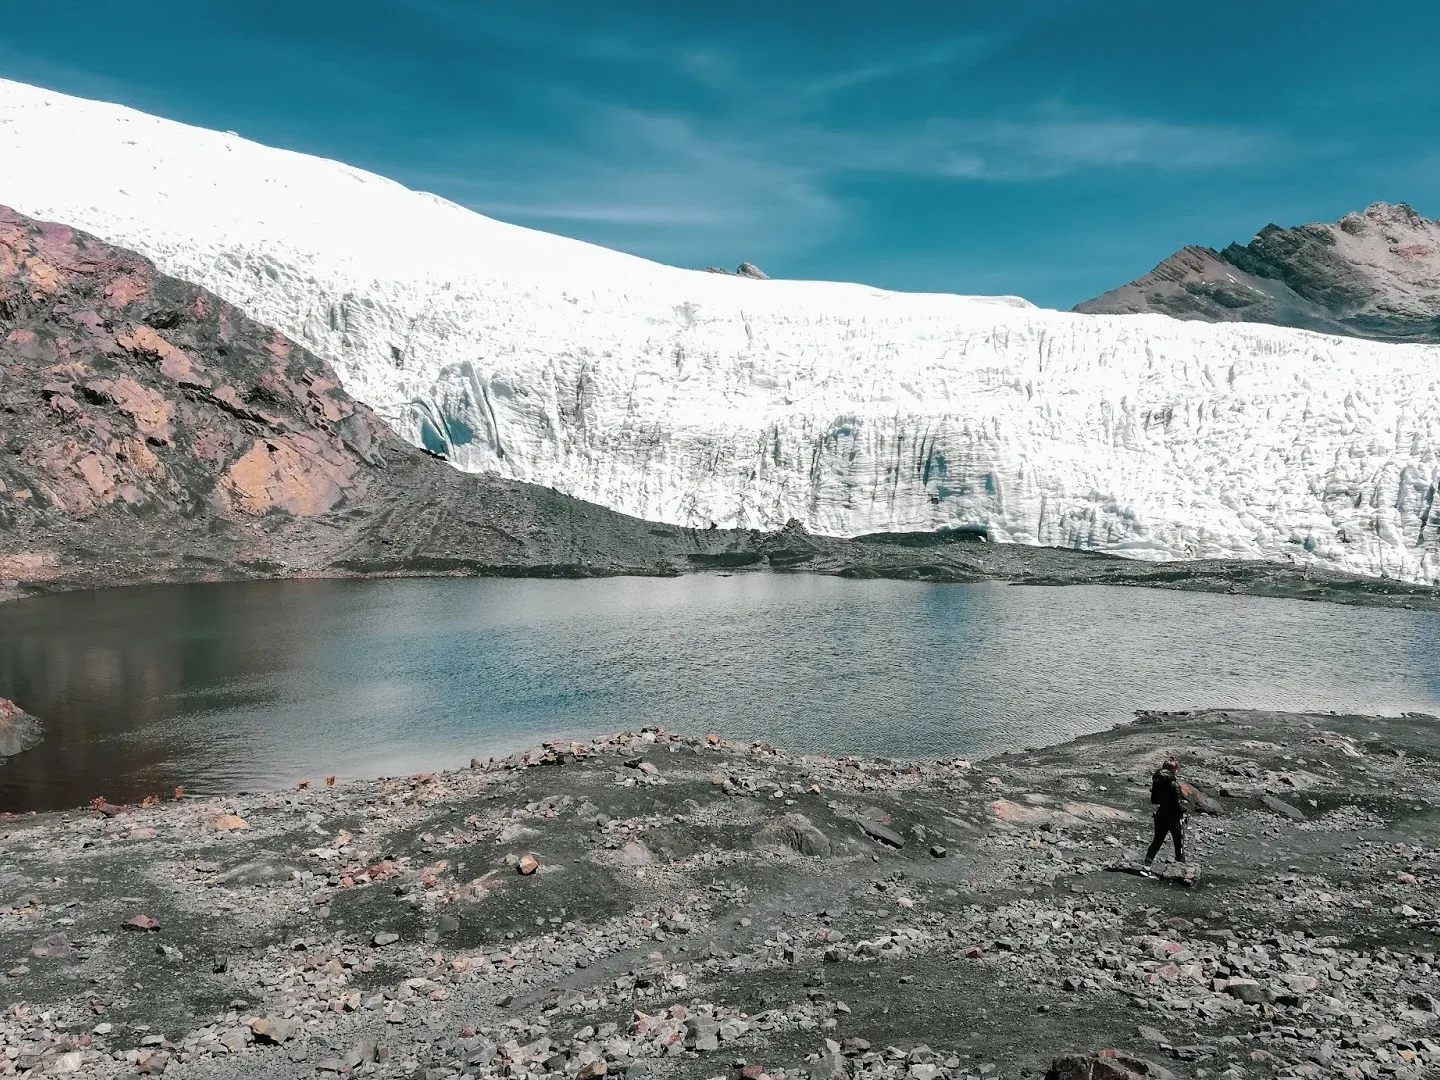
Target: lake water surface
<point>245,686</point>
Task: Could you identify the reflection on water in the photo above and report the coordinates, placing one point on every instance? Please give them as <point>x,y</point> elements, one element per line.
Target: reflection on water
<point>226,687</point>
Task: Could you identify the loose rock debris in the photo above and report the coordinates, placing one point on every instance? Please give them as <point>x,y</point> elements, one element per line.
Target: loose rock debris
<point>735,911</point>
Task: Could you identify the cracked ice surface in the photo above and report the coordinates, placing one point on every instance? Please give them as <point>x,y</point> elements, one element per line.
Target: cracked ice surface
<point>690,398</point>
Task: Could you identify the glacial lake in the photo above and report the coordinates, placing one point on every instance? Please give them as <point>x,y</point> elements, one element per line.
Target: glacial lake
<point>246,686</point>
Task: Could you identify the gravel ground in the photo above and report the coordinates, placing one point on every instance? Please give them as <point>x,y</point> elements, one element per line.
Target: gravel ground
<point>678,906</point>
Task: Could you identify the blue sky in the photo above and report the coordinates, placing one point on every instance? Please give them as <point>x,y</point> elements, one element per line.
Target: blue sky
<point>1049,149</point>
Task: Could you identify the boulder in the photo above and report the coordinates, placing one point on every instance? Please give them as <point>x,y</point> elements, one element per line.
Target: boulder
<point>19,731</point>
<point>702,1034</point>
<point>1106,1065</point>
<point>274,1029</point>
<point>1201,802</point>
<point>796,832</point>
<point>831,1065</point>
<point>1249,991</point>
<point>634,853</point>
<point>54,947</point>
<point>874,823</point>
<point>1280,806</point>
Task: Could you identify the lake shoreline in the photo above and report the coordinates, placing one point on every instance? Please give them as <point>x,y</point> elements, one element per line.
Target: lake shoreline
<point>935,558</point>
<point>663,906</point>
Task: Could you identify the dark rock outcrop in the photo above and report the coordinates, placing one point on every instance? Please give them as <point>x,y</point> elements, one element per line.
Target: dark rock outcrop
<point>745,269</point>
<point>19,731</point>
<point>1375,274</point>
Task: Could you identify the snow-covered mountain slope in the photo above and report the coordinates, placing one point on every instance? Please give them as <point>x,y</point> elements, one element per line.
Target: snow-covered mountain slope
<point>691,397</point>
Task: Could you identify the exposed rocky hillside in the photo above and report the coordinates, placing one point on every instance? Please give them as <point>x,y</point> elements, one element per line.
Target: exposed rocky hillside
<point>149,431</point>
<point>1375,274</point>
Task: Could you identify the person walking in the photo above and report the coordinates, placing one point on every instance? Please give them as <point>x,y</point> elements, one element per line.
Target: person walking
<point>1171,809</point>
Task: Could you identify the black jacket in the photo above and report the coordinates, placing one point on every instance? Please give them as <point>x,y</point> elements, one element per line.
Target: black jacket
<point>1167,794</point>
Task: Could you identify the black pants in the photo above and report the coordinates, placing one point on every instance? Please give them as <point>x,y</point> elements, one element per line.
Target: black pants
<point>1167,825</point>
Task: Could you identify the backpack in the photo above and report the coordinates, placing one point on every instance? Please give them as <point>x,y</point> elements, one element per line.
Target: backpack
<point>1169,792</point>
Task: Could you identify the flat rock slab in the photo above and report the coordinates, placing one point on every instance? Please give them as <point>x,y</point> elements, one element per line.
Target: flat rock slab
<point>1280,806</point>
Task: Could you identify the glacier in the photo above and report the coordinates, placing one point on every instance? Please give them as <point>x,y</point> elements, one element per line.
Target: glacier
<point>698,399</point>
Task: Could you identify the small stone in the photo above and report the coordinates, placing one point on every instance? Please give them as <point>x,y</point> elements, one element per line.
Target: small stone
<point>140,923</point>
<point>527,865</point>
<point>385,937</point>
<point>938,851</point>
<point>227,823</point>
<point>364,1051</point>
<point>54,947</point>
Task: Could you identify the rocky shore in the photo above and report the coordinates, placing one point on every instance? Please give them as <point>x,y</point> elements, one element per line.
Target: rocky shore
<point>679,906</point>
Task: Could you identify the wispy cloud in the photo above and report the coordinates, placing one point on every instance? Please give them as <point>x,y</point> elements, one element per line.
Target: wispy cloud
<point>752,149</point>
<point>659,170</point>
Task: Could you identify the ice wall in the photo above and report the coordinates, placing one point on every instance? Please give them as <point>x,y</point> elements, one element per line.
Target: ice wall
<point>690,397</point>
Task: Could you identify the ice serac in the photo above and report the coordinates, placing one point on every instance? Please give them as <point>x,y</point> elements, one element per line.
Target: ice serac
<point>695,398</point>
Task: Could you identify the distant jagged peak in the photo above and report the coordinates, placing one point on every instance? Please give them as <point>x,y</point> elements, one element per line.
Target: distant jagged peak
<point>1375,273</point>
<point>745,269</point>
<point>1384,213</point>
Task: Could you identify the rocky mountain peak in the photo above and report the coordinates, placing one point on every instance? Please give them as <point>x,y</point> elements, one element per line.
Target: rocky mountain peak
<point>1384,213</point>
<point>745,269</point>
<point>1375,274</point>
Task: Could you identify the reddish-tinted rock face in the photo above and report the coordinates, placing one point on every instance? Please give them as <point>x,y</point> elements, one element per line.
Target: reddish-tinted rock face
<point>1375,274</point>
<point>150,431</point>
<point>126,389</point>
